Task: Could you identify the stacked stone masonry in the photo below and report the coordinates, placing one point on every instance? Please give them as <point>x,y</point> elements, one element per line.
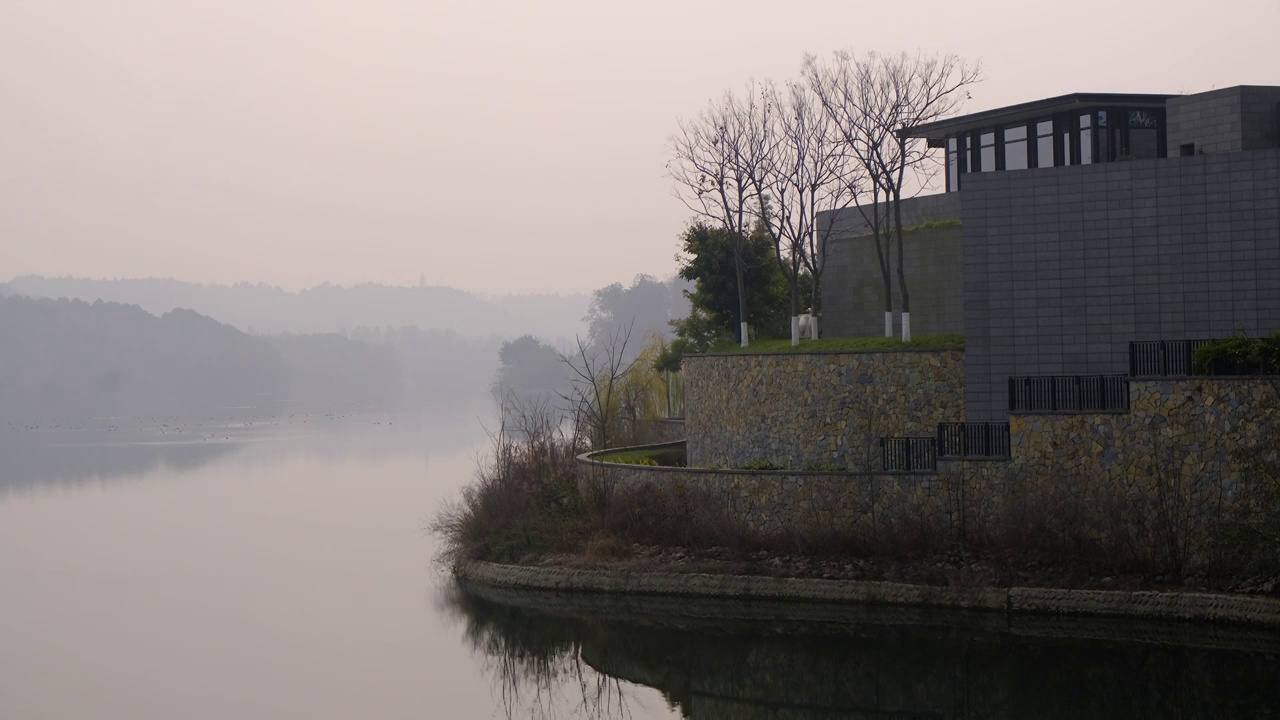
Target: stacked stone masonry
<point>782,502</point>
<point>815,410</point>
<point>1127,480</point>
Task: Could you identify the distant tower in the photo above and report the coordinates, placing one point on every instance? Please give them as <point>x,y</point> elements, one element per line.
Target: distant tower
<point>422,280</point>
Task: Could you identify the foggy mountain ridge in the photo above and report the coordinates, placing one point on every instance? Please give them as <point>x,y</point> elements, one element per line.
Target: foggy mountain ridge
<point>74,360</point>
<point>261,309</point>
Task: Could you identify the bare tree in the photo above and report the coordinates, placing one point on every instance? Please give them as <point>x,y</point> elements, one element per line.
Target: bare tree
<point>598,372</point>
<point>873,100</point>
<point>799,164</point>
<point>711,171</point>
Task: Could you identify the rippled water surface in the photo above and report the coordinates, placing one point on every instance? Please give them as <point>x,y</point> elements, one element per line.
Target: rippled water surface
<point>280,569</point>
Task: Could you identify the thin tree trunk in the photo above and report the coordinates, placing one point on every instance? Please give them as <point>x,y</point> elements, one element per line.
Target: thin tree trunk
<point>742,299</point>
<point>882,255</point>
<point>897,223</point>
<point>902,277</point>
<point>795,306</point>
<point>814,308</point>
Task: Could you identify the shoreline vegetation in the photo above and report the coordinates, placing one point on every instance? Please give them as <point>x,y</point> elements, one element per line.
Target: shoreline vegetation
<point>529,509</point>
<point>530,506</point>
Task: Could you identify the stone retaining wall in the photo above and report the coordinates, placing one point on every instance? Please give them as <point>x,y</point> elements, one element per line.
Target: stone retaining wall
<point>785,501</point>
<point>1149,487</point>
<point>1203,607</point>
<point>1156,479</point>
<point>818,410</point>
<point>664,430</point>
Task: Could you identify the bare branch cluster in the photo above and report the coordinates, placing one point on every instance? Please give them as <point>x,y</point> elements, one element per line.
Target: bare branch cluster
<point>711,159</point>
<point>871,100</point>
<point>598,372</point>
<point>803,167</point>
<point>778,155</point>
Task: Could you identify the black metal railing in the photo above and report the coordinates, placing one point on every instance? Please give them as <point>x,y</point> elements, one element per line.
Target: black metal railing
<point>973,440</point>
<point>908,454</point>
<point>1069,393</point>
<point>1163,358</point>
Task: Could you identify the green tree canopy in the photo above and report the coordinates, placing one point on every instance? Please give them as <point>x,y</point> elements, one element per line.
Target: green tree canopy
<point>707,261</point>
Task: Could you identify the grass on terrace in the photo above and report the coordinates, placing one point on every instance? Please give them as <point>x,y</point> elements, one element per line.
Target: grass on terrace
<point>665,457</point>
<point>847,344</point>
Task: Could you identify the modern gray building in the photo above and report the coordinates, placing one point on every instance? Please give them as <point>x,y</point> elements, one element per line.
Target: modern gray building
<point>1075,226</point>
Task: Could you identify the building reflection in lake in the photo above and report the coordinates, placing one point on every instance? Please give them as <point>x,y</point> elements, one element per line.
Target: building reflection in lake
<point>719,659</point>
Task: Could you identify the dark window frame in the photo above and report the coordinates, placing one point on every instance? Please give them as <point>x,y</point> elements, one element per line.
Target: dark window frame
<point>1067,148</point>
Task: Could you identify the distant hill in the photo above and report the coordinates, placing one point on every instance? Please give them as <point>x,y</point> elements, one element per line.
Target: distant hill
<point>70,359</point>
<point>74,360</point>
<point>267,310</point>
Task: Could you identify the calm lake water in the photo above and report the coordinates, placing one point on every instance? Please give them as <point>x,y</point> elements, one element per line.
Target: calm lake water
<point>282,569</point>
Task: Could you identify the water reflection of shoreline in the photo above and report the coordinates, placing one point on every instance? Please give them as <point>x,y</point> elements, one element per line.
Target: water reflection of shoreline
<point>720,659</point>
<point>111,451</point>
<point>30,463</point>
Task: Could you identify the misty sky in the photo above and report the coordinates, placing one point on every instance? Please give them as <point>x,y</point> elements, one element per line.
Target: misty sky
<point>493,146</point>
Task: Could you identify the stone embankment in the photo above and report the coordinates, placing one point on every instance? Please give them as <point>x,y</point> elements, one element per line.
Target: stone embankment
<point>1184,606</point>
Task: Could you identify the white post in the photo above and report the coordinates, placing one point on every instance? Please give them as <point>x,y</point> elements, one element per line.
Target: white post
<point>744,334</point>
<point>795,330</point>
<point>888,323</point>
<point>906,327</point>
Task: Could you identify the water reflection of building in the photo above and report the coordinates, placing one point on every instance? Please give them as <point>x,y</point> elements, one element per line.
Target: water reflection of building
<point>729,660</point>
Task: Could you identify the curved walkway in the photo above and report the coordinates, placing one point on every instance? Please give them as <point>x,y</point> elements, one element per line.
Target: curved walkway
<point>1201,607</point>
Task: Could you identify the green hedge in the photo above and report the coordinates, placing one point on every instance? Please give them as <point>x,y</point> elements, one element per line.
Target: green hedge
<point>1241,355</point>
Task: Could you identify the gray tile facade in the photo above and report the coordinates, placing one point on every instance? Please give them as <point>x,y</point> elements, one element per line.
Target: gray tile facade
<point>1054,271</point>
<point>1063,267</point>
<point>1228,120</point>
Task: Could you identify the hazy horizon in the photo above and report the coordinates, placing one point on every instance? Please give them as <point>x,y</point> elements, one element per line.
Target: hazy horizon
<point>494,147</point>
<point>16,278</point>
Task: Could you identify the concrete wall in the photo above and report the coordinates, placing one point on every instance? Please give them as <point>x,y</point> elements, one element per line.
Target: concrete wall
<point>805,410</point>
<point>1063,267</point>
<point>1227,120</point>
<point>853,287</point>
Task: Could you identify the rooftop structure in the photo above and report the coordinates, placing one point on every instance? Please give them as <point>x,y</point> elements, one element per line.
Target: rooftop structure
<point>1075,225</point>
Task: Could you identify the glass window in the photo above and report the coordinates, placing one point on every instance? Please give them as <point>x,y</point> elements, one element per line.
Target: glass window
<point>1015,148</point>
<point>1143,144</point>
<point>953,165</point>
<point>1144,135</point>
<point>1044,143</point>
<point>1066,148</point>
<point>1142,119</point>
<point>987,151</point>
<point>1086,139</point>
<point>1103,145</point>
